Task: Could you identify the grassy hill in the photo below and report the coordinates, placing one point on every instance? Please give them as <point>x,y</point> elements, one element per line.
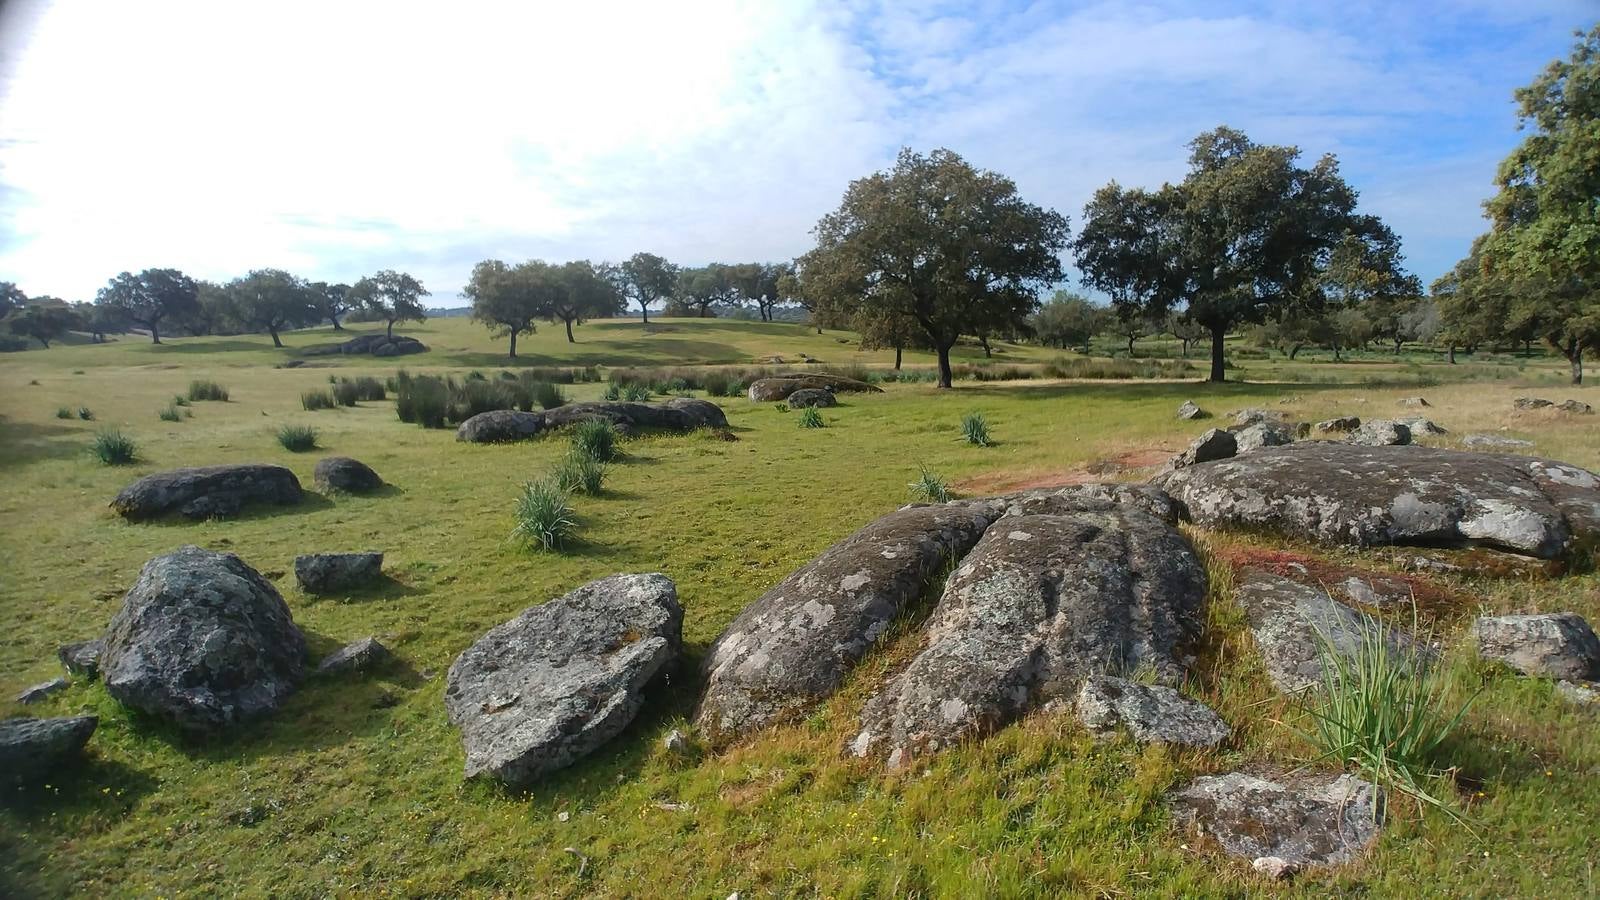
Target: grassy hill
<point>354,787</point>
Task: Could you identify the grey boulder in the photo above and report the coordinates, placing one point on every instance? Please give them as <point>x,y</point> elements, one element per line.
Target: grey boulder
<point>207,492</point>
<point>42,691</point>
<point>341,473</point>
<point>1152,713</point>
<point>33,748</point>
<point>202,641</point>
<point>1190,410</point>
<point>1575,406</point>
<point>1337,425</point>
<point>812,397</point>
<point>1302,820</point>
<point>1246,417</point>
<point>1265,433</point>
<point>1531,403</point>
<point>356,656</point>
<point>550,686</point>
<point>1381,433</point>
<point>1422,426</point>
<point>1582,694</point>
<point>1211,446</point>
<point>1551,645</point>
<point>81,658</point>
<point>779,387</point>
<point>677,414</point>
<point>327,573</point>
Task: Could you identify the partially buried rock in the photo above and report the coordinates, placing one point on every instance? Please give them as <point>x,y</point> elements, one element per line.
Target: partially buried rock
<point>779,387</point>
<point>1215,444</point>
<point>1414,401</point>
<point>1423,426</point>
<point>82,658</point>
<point>41,691</point>
<point>1151,713</point>
<point>1189,410</point>
<point>1552,645</point>
<point>327,573</point>
<point>1337,424</point>
<point>1575,406</point>
<point>356,656</point>
<point>806,397</point>
<point>1262,434</point>
<point>1301,820</point>
<point>33,748</point>
<point>1495,441</point>
<point>677,414</point>
<point>207,492</point>
<point>1530,403</point>
<point>1381,433</point>
<point>341,473</point>
<point>203,641</point>
<point>1584,694</point>
<point>550,686</point>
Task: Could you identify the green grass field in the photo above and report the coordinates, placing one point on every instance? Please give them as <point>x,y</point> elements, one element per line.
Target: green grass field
<point>355,788</point>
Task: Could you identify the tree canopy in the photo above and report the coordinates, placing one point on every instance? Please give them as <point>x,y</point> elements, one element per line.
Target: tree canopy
<point>270,300</point>
<point>391,296</point>
<point>44,319</point>
<point>510,299</point>
<point>150,297</point>
<point>330,301</point>
<point>646,278</point>
<point>1068,320</point>
<point>583,291</point>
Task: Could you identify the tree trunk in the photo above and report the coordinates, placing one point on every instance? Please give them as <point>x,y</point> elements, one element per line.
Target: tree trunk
<point>1219,348</point>
<point>390,330</point>
<point>1185,342</point>
<point>1577,369</point>
<point>645,308</point>
<point>570,339</point>
<point>897,350</point>
<point>336,325</point>
<point>1294,351</point>
<point>155,332</point>
<point>276,342</point>
<point>1397,343</point>
<point>513,353</point>
<point>45,342</point>
<point>944,365</point>
<point>1452,354</point>
<point>984,340</point>
<point>1131,339</point>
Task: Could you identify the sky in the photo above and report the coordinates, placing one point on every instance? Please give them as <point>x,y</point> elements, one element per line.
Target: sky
<point>337,139</point>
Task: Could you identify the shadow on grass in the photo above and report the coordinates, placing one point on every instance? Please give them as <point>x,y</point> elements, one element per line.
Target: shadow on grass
<point>89,785</point>
<point>310,502</point>
<point>387,587</point>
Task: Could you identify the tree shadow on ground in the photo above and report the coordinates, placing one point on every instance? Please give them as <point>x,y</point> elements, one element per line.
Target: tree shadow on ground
<point>27,442</point>
<point>89,785</point>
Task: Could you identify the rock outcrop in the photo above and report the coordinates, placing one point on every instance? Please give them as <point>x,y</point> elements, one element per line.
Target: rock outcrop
<point>1337,425</point>
<point>328,573</point>
<point>1551,645</point>
<point>1302,820</point>
<point>1363,496</point>
<point>31,749</point>
<point>1211,446</point>
<point>380,345</point>
<point>82,657</point>
<point>341,473</point>
<point>678,414</point>
<point>812,397</point>
<point>207,492</point>
<point>1265,433</point>
<point>203,641</point>
<point>1381,433</point>
<point>1152,713</point>
<point>779,387</point>
<point>561,679</point>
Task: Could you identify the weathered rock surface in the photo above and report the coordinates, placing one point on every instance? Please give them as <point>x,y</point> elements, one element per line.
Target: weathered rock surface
<point>1495,441</point>
<point>1061,588</point>
<point>1215,444</point>
<point>1363,496</point>
<point>1371,589</point>
<point>1338,424</point>
<point>1575,406</point>
<point>1291,621</point>
<point>1422,426</point>
<point>1262,434</point>
<point>356,656</point>
<point>550,686</point>
<point>680,414</point>
<point>33,748</point>
<point>1551,645</point>
<point>1530,403</point>
<point>207,492</point>
<point>81,658</point>
<point>794,645</point>
<point>374,344</point>
<point>1191,410</point>
<point>42,690</point>
<point>1582,694</point>
<point>1414,401</point>
<point>1303,820</point>
<point>203,641</point>
<point>779,387</point>
<point>1252,415</point>
<point>812,397</point>
<point>1151,713</point>
<point>327,573</point>
<point>341,473</point>
<point>1381,433</point>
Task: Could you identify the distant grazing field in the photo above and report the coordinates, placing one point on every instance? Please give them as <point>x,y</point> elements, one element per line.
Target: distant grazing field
<point>354,787</point>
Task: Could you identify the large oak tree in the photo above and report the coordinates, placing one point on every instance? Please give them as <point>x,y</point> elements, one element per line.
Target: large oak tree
<point>510,299</point>
<point>270,300</point>
<point>391,296</point>
<point>150,297</point>
<point>646,278</point>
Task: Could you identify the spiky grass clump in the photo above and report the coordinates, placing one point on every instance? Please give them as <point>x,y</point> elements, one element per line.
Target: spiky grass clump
<point>86,414</point>
<point>975,429</point>
<point>297,438</point>
<point>544,518</point>
<point>811,417</point>
<point>1383,710</point>
<point>204,389</point>
<point>312,401</point>
<point>171,414</point>
<point>113,448</point>
<point>349,391</point>
<point>637,393</point>
<point>64,412</point>
<point>580,473</point>
<point>597,439</point>
<point>547,395</point>
<point>613,391</point>
<point>180,400</point>
<point>781,406</point>
<point>930,487</point>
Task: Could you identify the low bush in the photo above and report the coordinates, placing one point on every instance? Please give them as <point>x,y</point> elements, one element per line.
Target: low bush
<point>547,395</point>
<point>421,401</point>
<point>315,400</point>
<point>207,390</point>
<point>613,391</point>
<point>580,473</point>
<point>975,429</point>
<point>180,400</point>
<point>170,414</point>
<point>297,438</point>
<point>64,412</point>
<point>113,448</point>
<point>349,391</point>
<point>544,519</point>
<point>597,439</point>
<point>636,393</point>
<point>811,417</point>
<point>930,488</point>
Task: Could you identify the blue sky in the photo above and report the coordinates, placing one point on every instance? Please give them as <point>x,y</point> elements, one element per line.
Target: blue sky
<point>336,139</point>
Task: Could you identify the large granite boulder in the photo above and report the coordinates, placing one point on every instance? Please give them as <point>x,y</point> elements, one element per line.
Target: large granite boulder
<point>1551,645</point>
<point>794,645</point>
<point>207,492</point>
<point>1363,496</point>
<point>677,414</point>
<point>31,749</point>
<point>807,397</point>
<point>1061,588</point>
<point>1152,713</point>
<point>341,473</point>
<point>550,686</point>
<point>203,641</point>
<point>329,573</point>
<point>1300,820</point>
<point>779,387</point>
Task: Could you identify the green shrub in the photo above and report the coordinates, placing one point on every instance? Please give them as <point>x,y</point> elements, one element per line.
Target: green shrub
<point>975,429</point>
<point>613,391</point>
<point>637,393</point>
<point>207,390</point>
<point>113,448</point>
<point>544,518</point>
<point>930,488</point>
<point>297,438</point>
<point>86,414</point>
<point>547,395</point>
<point>811,417</point>
<point>170,414</point>
<point>597,439</point>
<point>781,406</point>
<point>180,400</point>
<point>421,400</point>
<point>350,391</point>
<point>580,473</point>
<point>479,395</point>
<point>63,412</point>
<point>315,400</point>
<point>719,384</point>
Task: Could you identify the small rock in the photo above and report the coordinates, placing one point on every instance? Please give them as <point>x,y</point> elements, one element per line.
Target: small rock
<point>1552,645</point>
<point>1251,416</point>
<point>1575,406</point>
<point>1189,410</point>
<point>341,473</point>
<point>1337,424</point>
<point>82,658</point>
<point>1430,566</point>
<point>41,691</point>
<point>30,748</point>
<point>1262,434</point>
<point>1275,867</point>
<point>1380,433</point>
<point>357,656</point>
<point>1530,403</point>
<point>1376,590</point>
<point>563,816</point>
<point>1151,713</point>
<point>1583,694</point>
<point>1414,401</point>
<point>677,743</point>
<point>1495,440</point>
<point>1213,445</point>
<point>326,573</point>
<point>1422,425</point>
<point>808,397</point>
<point>1302,820</point>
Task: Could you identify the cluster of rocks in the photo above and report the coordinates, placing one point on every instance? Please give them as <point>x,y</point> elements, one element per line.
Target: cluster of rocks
<point>214,492</point>
<point>1569,406</point>
<point>677,414</point>
<point>380,345</point>
<point>1254,429</point>
<point>779,387</point>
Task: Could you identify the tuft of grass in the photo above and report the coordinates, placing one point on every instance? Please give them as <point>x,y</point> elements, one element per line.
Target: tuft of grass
<point>811,417</point>
<point>580,473</point>
<point>205,389</point>
<point>930,487</point>
<point>180,400</point>
<point>547,395</point>
<point>544,518</point>
<point>64,412</point>
<point>297,438</point>
<point>170,413</point>
<point>613,391</point>
<point>86,414</point>
<point>349,391</point>
<point>597,439</point>
<point>315,400</point>
<point>780,406</point>
<point>975,429</point>
<point>637,393</point>
<point>113,448</point>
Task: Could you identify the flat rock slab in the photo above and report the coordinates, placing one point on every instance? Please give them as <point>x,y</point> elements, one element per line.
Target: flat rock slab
<point>202,641</point>
<point>1152,713</point>
<point>1496,441</point>
<point>779,387</point>
<point>794,645</point>
<point>550,686</point>
<point>1295,625</point>
<point>1362,496</point>
<point>207,492</point>
<point>328,573</point>
<point>42,691</point>
<point>1304,820</point>
<point>1061,588</point>
<point>33,748</point>
<point>1550,645</point>
<point>677,414</point>
<point>341,473</point>
<point>356,656</point>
